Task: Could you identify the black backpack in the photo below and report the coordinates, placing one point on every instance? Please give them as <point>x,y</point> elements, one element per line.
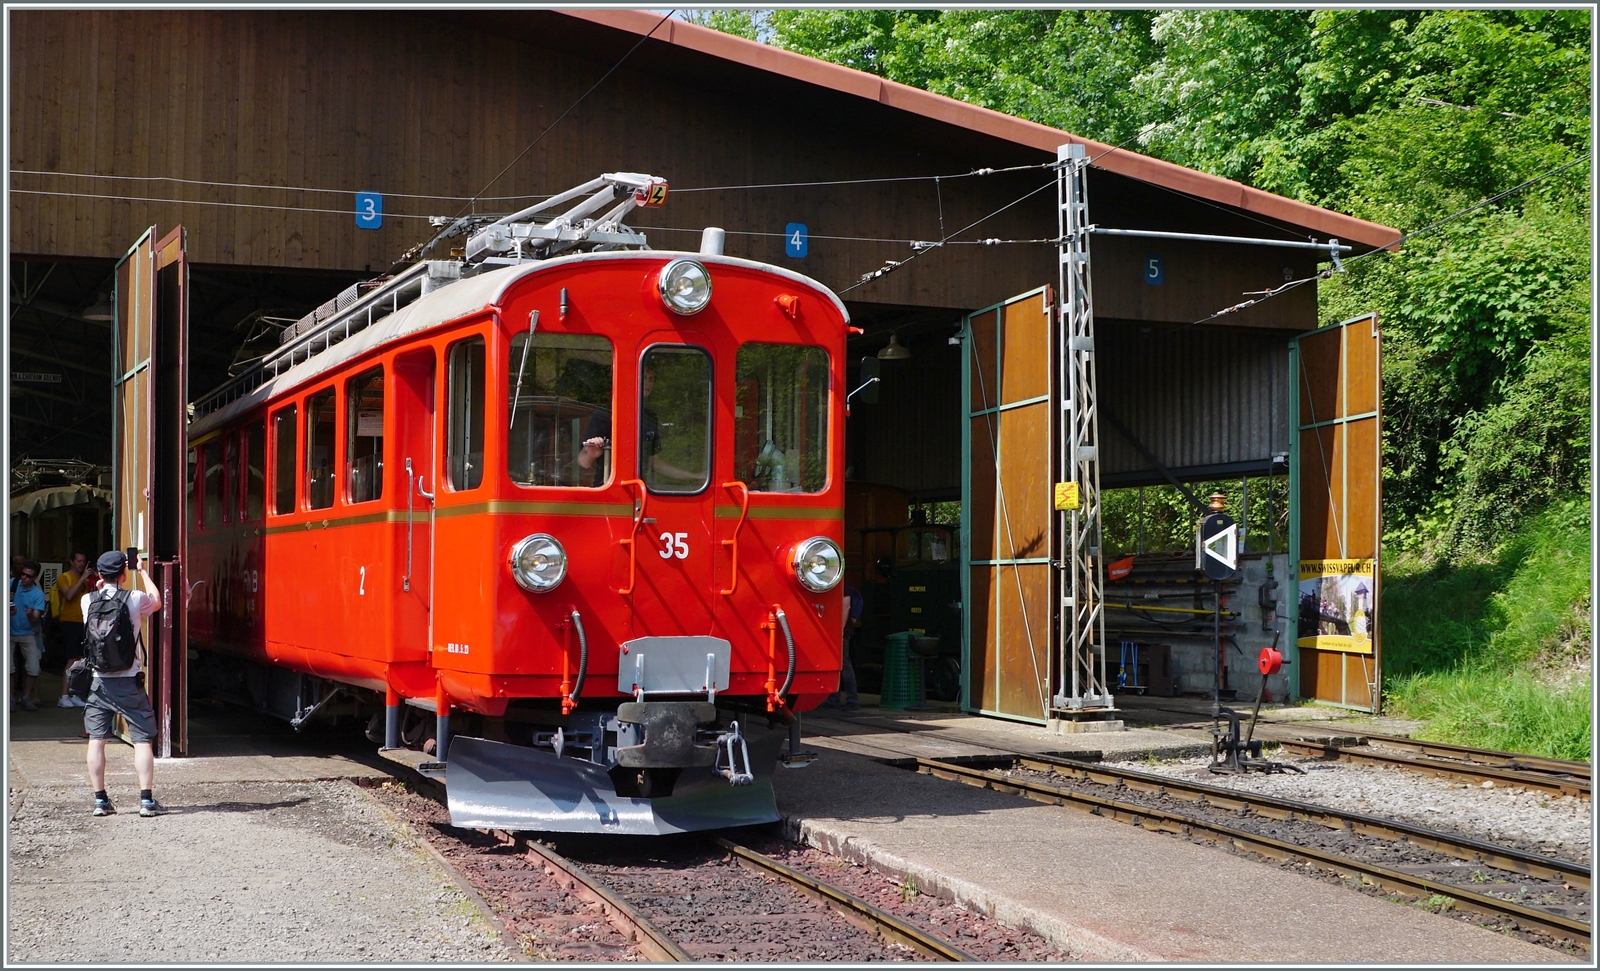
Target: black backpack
<point>109,640</point>
<point>80,679</point>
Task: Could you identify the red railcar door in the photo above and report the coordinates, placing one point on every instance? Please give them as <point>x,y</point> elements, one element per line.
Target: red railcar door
<point>416,459</point>
<point>674,549</point>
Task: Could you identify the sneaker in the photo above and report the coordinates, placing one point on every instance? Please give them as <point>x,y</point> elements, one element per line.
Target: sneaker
<point>78,702</point>
<point>151,807</point>
<point>65,702</point>
<point>852,706</point>
<point>29,704</point>
<point>103,807</point>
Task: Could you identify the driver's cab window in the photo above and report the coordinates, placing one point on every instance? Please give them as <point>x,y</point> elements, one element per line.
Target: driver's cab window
<point>780,425</point>
<point>558,396</point>
<point>675,419</point>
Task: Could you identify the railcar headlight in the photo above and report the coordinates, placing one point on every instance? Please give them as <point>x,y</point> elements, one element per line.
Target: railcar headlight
<point>818,564</point>
<point>685,286</point>
<point>538,563</point>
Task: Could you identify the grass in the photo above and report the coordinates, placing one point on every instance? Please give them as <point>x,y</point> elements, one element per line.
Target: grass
<point>1486,652</point>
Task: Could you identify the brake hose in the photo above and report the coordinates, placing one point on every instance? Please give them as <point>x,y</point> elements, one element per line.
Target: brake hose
<point>583,655</point>
<point>783,622</point>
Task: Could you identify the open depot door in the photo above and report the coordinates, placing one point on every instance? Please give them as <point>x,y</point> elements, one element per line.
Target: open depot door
<point>1336,511</point>
<point>149,348</point>
<point>1010,535</point>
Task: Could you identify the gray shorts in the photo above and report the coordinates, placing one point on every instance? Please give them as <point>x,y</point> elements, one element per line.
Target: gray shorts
<point>119,696</point>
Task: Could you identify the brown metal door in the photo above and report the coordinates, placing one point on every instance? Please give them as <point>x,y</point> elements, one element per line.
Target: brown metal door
<point>149,351</point>
<point>1336,513</point>
<point>1009,509</point>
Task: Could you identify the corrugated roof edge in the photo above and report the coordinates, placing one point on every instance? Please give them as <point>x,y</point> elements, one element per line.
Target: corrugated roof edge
<point>994,123</point>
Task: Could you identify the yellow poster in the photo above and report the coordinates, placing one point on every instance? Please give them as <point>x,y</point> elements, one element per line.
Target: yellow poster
<point>1337,612</point>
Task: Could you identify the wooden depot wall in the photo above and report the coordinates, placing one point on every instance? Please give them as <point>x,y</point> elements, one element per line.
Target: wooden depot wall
<point>298,110</point>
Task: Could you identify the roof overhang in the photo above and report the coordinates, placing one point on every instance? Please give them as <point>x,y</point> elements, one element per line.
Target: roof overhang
<point>985,122</point>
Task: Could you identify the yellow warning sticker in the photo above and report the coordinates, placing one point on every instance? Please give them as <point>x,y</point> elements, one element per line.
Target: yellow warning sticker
<point>1066,495</point>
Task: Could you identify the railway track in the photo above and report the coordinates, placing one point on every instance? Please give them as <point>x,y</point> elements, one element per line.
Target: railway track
<point>1453,762</point>
<point>1293,829</point>
<point>1458,762</point>
<point>682,904</point>
<point>594,899</point>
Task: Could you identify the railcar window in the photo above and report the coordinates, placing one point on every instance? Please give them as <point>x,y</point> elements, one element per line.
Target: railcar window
<point>675,419</point>
<point>283,434</point>
<point>229,492</point>
<point>780,424</point>
<point>559,396</point>
<point>464,433</point>
<point>188,485</point>
<point>255,470</point>
<point>211,488</point>
<point>364,441</point>
<point>319,449</point>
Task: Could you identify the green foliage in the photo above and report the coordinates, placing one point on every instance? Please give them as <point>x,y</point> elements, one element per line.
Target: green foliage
<point>1486,650</point>
<point>749,24</point>
<point>1163,519</point>
<point>1510,712</point>
<point>1067,68</point>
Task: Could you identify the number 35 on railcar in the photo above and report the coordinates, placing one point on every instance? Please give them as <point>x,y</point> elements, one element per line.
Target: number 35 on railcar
<point>568,505</point>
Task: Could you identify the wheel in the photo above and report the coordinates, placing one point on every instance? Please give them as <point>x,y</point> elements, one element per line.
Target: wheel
<point>944,679</point>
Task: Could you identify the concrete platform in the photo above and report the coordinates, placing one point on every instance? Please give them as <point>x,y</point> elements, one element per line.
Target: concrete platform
<point>1101,889</point>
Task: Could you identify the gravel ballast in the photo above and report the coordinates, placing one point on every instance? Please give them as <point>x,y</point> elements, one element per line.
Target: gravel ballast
<point>1556,826</point>
<point>252,872</point>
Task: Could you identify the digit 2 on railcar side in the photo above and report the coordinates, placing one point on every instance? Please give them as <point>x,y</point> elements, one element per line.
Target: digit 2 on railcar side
<point>579,499</point>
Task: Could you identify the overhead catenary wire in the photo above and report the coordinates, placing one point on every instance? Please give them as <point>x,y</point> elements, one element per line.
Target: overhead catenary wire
<point>204,202</point>
<point>893,265</point>
<point>261,185</point>
<point>401,215</point>
<point>1261,296</point>
<point>445,197</point>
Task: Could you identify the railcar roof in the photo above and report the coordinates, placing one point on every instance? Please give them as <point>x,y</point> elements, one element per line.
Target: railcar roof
<point>452,302</point>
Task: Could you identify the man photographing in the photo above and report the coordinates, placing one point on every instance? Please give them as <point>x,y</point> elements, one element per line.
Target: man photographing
<point>112,618</point>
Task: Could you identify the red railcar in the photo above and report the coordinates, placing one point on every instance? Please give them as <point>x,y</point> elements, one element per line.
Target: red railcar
<point>579,500</point>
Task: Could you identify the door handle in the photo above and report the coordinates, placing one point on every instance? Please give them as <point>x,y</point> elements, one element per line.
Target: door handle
<point>733,544</point>
<point>633,547</point>
<point>411,481</point>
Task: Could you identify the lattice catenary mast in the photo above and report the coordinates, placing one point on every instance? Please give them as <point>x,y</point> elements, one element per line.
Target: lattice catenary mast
<point>1080,661</point>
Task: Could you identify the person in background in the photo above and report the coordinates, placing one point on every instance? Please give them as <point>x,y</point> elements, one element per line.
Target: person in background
<point>120,693</point>
<point>70,587</point>
<point>846,698</point>
<point>27,610</point>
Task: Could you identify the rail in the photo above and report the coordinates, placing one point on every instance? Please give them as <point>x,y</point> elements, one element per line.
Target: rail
<point>1277,807</point>
<point>851,907</point>
<point>651,940</point>
<point>1183,824</point>
<point>1491,757</point>
<point>1543,781</point>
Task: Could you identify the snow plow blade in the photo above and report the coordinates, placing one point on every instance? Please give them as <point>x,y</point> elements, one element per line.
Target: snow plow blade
<point>495,785</point>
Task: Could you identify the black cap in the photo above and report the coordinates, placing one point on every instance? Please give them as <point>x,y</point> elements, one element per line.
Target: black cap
<point>112,563</point>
